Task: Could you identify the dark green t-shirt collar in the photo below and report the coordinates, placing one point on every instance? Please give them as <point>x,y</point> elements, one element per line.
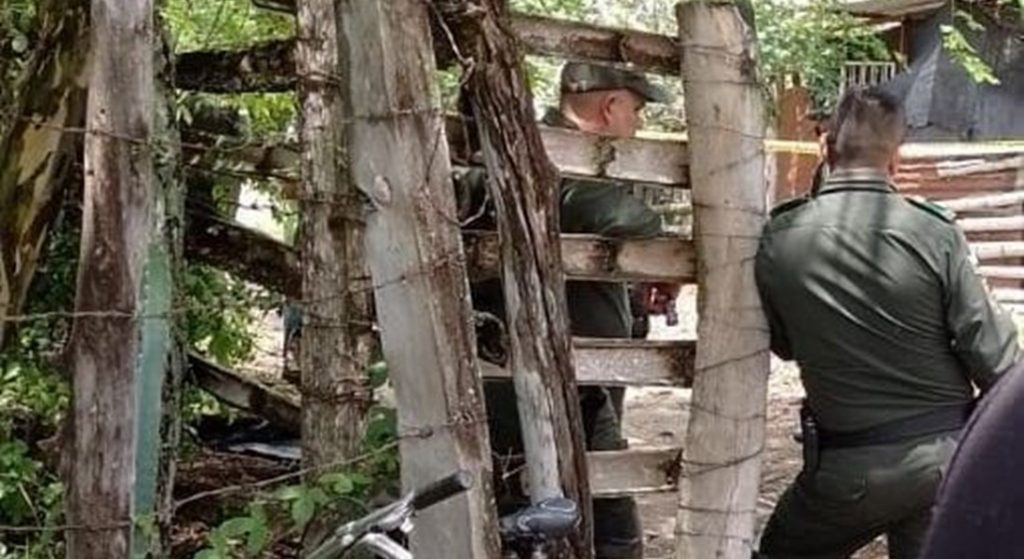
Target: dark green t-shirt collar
<point>865,179</point>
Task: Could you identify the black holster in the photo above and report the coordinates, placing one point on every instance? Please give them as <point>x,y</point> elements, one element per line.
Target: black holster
<point>809,438</point>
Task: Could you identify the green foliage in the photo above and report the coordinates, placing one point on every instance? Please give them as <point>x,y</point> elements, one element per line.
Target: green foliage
<point>209,24</point>
<point>247,535</point>
<point>813,40</point>
<point>220,313</point>
<point>16,38</point>
<point>962,52</point>
<point>32,399</point>
<point>285,511</point>
<point>29,392</point>
<point>551,8</point>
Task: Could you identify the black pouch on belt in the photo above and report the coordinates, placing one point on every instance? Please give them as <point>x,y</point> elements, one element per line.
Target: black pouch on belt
<point>810,439</point>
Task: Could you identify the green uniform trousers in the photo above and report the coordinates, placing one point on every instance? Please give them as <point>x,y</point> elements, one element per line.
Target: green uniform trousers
<point>617,533</point>
<point>857,494</point>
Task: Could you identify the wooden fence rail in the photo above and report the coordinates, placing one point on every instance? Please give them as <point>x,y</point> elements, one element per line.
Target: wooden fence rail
<point>270,66</point>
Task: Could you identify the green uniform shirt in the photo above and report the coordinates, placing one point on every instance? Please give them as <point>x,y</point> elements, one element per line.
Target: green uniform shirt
<point>596,309</point>
<point>600,309</point>
<point>877,298</point>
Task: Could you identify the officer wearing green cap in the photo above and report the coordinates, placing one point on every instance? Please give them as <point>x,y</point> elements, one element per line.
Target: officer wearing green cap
<point>877,298</point>
<point>606,101</point>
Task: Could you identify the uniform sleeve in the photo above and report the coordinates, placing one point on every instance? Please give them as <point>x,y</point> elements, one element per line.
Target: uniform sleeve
<point>780,344</point>
<point>983,336</point>
<point>606,209</point>
<point>471,197</point>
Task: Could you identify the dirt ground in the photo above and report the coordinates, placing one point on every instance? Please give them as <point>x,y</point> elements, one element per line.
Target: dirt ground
<point>657,417</point>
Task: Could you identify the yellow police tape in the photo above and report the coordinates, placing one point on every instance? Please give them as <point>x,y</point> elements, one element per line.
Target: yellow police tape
<point>914,149</point>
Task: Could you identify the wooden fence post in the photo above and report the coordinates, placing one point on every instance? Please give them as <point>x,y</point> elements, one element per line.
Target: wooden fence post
<point>398,157</point>
<point>117,223</point>
<point>337,336</point>
<point>725,436</point>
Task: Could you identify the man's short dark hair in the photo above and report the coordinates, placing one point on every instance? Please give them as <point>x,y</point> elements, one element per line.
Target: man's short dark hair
<point>867,128</point>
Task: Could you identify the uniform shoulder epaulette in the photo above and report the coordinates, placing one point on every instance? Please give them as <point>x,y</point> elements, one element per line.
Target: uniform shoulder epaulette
<point>789,205</point>
<point>939,211</point>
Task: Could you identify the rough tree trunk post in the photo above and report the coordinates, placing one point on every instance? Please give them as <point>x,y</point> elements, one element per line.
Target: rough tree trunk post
<point>725,436</point>
<point>394,126</point>
<point>524,186</point>
<point>337,337</point>
<point>116,222</point>
<point>35,154</point>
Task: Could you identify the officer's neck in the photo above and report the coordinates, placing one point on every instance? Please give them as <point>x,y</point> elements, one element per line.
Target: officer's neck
<point>860,173</point>
<point>581,121</point>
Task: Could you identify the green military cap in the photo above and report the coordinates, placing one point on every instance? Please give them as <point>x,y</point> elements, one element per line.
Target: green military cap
<point>580,77</point>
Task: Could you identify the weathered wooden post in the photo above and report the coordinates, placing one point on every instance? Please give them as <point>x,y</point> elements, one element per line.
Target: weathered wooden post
<point>397,155</point>
<point>524,186</point>
<point>118,220</point>
<point>336,324</point>
<point>725,437</point>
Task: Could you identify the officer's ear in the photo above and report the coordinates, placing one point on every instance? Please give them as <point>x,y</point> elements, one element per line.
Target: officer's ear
<point>827,146</point>
<point>606,108</point>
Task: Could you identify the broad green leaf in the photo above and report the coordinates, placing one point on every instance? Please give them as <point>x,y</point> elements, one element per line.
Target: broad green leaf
<point>339,483</point>
<point>303,510</point>
<point>235,527</point>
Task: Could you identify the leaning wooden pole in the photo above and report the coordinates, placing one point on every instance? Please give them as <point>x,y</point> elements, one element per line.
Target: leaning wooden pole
<point>725,436</point>
<point>524,186</point>
<point>116,221</point>
<point>397,156</point>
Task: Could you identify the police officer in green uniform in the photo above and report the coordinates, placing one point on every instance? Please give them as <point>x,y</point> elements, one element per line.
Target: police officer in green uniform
<point>605,101</point>
<point>876,296</point>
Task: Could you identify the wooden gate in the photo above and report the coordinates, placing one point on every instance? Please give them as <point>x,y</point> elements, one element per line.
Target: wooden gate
<point>721,469</point>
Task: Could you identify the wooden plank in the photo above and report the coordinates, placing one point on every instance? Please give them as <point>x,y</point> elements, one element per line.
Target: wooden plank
<point>261,259</point>
<point>998,250</point>
<point>634,362</point>
<point>571,40</point>
<point>655,161</point>
<point>610,362</point>
<point>1009,295</point>
<point>591,257</point>
<point>991,224</point>
<point>1010,163</point>
<point>245,394</point>
<point>619,473</point>
<point>984,202</point>
<point>634,471</point>
<point>725,436</point>
<point>1002,272</point>
<point>265,67</point>
<point>387,86</point>
<point>245,252</point>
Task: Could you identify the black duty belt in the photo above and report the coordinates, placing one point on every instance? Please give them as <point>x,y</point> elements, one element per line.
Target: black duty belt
<point>947,418</point>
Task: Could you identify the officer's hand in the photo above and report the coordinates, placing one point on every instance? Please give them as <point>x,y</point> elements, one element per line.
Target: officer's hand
<point>661,297</point>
